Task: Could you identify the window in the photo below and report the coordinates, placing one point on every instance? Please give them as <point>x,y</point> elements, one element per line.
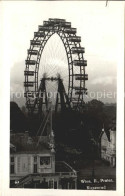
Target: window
<point>12,165</point>
<point>12,169</point>
<point>35,168</point>
<point>35,158</point>
<point>18,164</point>
<point>12,159</point>
<point>44,160</point>
<point>55,185</point>
<point>51,184</point>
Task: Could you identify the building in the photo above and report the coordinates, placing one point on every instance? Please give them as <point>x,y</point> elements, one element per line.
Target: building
<point>108,145</point>
<point>33,165</point>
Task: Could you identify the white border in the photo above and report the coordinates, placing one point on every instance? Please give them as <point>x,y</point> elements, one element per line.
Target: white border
<point>4,131</point>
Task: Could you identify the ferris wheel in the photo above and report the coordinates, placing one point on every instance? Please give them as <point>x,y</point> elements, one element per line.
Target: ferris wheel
<point>39,71</point>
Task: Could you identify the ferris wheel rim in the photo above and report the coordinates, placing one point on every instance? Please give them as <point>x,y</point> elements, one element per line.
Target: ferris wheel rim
<point>64,37</point>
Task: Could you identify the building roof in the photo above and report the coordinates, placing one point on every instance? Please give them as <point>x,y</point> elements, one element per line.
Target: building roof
<point>112,127</point>
<point>107,134</point>
<point>62,166</point>
<point>26,144</point>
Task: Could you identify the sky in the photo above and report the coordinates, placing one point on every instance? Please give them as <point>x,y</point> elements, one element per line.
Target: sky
<point>99,26</point>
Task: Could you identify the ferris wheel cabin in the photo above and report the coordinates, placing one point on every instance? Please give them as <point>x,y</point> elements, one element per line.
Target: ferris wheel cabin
<point>33,52</point>
<point>78,50</point>
<point>30,62</point>
<point>80,62</point>
<point>81,76</point>
<point>36,43</point>
<point>56,20</point>
<point>39,34</point>
<point>70,30</point>
<point>74,39</point>
<point>29,73</point>
<point>28,84</point>
<point>43,28</point>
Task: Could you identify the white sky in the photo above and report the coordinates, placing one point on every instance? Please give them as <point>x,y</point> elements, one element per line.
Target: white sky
<point>100,28</point>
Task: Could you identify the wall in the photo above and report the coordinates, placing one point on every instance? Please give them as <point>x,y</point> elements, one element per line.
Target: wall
<point>108,148</point>
<point>24,164</point>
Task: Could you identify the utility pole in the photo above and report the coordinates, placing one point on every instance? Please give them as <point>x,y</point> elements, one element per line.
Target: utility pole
<point>106,3</point>
<point>99,140</point>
